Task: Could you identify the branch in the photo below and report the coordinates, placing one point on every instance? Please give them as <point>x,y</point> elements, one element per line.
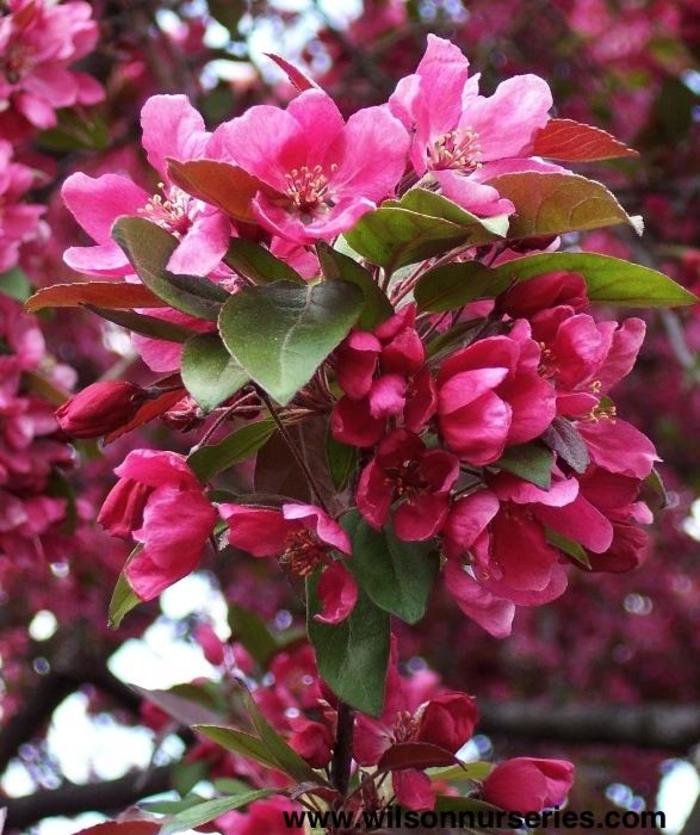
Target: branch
<point>110,797</point>
<point>660,726</point>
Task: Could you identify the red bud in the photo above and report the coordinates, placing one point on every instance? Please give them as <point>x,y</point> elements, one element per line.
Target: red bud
<point>100,408</point>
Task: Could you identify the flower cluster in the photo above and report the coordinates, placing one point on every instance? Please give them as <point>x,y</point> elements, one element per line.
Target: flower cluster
<point>39,40</point>
<point>18,220</point>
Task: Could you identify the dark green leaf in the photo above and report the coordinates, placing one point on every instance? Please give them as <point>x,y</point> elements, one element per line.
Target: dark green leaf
<point>209,372</point>
<point>610,280</point>
<point>398,576</point>
<point>172,807</point>
<point>565,439</point>
<point>450,286</point>
<point>656,483</point>
<point>15,284</point>
<point>148,248</point>
<point>124,598</point>
<point>551,204</point>
<point>280,333</point>
<point>207,461</point>
<point>336,265</point>
<point>342,460</point>
<point>239,742</point>
<point>532,462</point>
<point>568,546</point>
<point>258,264</point>
<point>251,630</point>
<point>353,656</point>
<point>211,809</point>
<point>186,775</point>
<point>145,325</point>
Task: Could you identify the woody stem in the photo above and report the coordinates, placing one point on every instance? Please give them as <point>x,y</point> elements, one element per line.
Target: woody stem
<point>342,753</point>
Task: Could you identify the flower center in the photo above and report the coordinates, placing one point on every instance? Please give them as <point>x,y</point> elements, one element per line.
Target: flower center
<point>457,150</point>
<point>405,727</point>
<point>16,62</point>
<point>303,552</point>
<point>308,190</point>
<point>169,210</point>
<point>602,412</point>
<point>407,479</point>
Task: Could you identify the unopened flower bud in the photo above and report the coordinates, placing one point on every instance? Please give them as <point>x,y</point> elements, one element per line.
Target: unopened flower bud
<point>100,408</point>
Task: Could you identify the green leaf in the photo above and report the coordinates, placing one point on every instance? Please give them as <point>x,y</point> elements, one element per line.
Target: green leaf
<point>551,204</point>
<point>185,776</point>
<point>211,809</point>
<point>397,576</point>
<point>239,742</point>
<point>186,704</point>
<point>394,237</point>
<point>609,280</point>
<point>15,284</point>
<point>655,482</point>
<point>352,656</point>
<point>208,461</point>
<point>124,598</point>
<point>482,229</point>
<point>148,248</point>
<point>172,807</point>
<point>532,462</point>
<point>342,460</point>
<point>568,546</point>
<point>258,264</point>
<point>209,372</point>
<point>145,325</point>
<point>450,286</point>
<point>466,771</point>
<point>336,265</point>
<point>280,333</point>
<point>251,630</point>
<point>286,758</point>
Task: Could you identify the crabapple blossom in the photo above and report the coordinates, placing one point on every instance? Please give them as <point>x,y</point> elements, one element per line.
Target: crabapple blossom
<point>100,408</point>
<point>526,783</point>
<point>18,220</point>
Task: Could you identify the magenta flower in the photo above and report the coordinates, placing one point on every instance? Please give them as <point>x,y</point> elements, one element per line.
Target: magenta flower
<point>264,817</point>
<point>38,42</point>
<point>463,139</point>
<point>415,711</point>
<point>160,503</point>
<point>382,375</point>
<point>529,784</point>
<point>171,128</point>
<point>420,479</point>
<point>318,174</point>
<point>18,221</point>
<point>303,537</point>
<point>490,395</point>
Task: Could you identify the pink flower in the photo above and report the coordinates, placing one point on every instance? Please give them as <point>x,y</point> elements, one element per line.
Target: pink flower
<point>303,537</point>
<point>318,175</point>
<point>490,396</point>
<point>161,504</point>
<point>382,375</point>
<point>464,139</point>
<point>171,128</point>
<point>211,644</point>
<point>526,298</point>
<point>100,408</point>
<point>311,740</point>
<point>444,719</point>
<point>404,469</point>
<point>38,42</point>
<point>525,784</point>
<point>18,221</point>
<point>264,817</point>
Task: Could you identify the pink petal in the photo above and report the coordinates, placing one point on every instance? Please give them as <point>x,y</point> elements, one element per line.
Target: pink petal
<point>375,492</point>
<point>156,468</point>
<point>421,518</point>
<point>477,198</point>
<point>413,789</point>
<point>337,591</point>
<point>258,530</point>
<point>579,521</point>
<point>387,396</point>
<point>467,520</point>
<point>478,432</point>
<point>171,128</point>
<point>619,447</point>
<point>203,245</point>
<point>492,613</point>
<point>327,529</point>
<point>97,202</point>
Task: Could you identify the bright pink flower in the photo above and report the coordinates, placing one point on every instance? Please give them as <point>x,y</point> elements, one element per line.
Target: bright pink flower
<point>171,128</point>
<point>616,445</point>
<point>303,537</point>
<point>100,408</point>
<point>18,221</point>
<point>38,42</point>
<point>525,784</point>
<point>382,375</point>
<point>161,504</point>
<point>490,395</point>
<point>464,139</point>
<point>318,175</point>
<point>443,719</point>
<point>403,469</point>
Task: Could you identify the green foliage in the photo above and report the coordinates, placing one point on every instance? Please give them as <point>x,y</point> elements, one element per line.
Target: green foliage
<point>210,374</point>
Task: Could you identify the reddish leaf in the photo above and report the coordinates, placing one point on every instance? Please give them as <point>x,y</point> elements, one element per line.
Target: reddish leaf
<point>570,141</point>
<point>295,76</point>
<point>225,186</point>
<point>112,295</point>
<point>132,827</point>
<point>150,410</point>
<point>415,755</point>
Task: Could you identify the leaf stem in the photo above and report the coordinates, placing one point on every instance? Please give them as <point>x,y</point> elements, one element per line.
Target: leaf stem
<point>342,753</point>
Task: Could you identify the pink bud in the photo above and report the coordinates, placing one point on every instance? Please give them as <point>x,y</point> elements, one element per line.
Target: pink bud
<point>525,784</point>
<point>210,643</point>
<point>100,408</point>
